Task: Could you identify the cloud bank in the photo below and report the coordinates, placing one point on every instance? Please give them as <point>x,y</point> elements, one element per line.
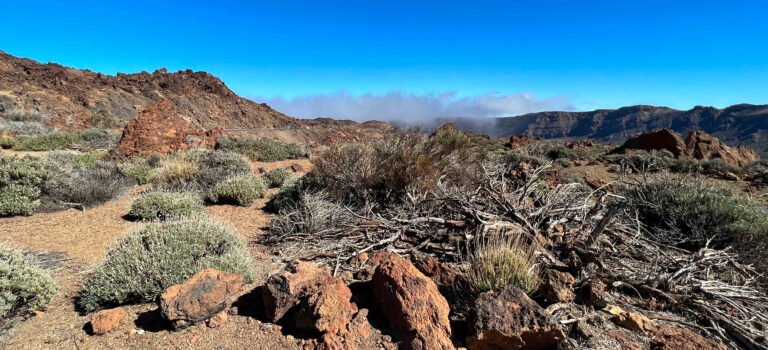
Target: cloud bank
<point>413,108</point>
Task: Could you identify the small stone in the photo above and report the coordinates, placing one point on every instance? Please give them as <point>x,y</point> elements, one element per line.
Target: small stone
<point>106,320</point>
<point>218,320</point>
<point>140,332</point>
<point>289,337</point>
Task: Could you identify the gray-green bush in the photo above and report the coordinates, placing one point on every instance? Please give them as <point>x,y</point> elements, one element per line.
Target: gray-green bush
<point>23,287</point>
<point>265,150</point>
<point>166,205</point>
<point>141,265</point>
<point>239,190</point>
<point>21,180</point>
<point>276,177</point>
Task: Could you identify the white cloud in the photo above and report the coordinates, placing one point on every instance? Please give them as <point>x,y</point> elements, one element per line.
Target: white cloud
<point>412,108</point>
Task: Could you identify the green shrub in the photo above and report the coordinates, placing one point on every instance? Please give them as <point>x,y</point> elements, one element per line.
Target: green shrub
<point>8,142</point>
<point>141,265</point>
<point>21,180</point>
<point>139,169</point>
<point>214,166</point>
<point>265,150</point>
<point>26,128</point>
<point>99,138</point>
<point>292,191</point>
<point>495,262</point>
<point>75,159</point>
<point>166,205</point>
<point>684,213</point>
<point>240,190</point>
<point>23,287</point>
<point>48,142</point>
<point>276,177</point>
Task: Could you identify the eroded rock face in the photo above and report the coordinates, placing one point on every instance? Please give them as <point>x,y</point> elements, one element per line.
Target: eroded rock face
<point>671,338</point>
<point>443,274</point>
<point>659,139</point>
<point>208,293</point>
<point>157,129</point>
<point>412,304</point>
<point>106,320</point>
<point>509,319</point>
<point>556,286</point>
<point>324,300</point>
<point>701,145</point>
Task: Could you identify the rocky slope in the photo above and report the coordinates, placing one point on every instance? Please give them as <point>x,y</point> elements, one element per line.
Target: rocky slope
<point>74,95</point>
<point>739,124</point>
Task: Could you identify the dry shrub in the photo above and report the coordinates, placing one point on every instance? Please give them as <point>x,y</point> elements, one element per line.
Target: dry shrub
<point>23,288</point>
<point>240,190</point>
<point>499,260</point>
<point>175,172</point>
<point>166,206</point>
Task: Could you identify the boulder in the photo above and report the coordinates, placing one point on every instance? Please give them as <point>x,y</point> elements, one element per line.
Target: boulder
<point>324,299</point>
<point>659,139</point>
<point>556,286</point>
<point>672,338</point>
<point>509,319</point>
<point>701,145</point>
<point>516,142</point>
<point>106,320</point>
<point>631,320</point>
<point>593,293</point>
<point>208,293</point>
<point>157,129</point>
<point>412,304</point>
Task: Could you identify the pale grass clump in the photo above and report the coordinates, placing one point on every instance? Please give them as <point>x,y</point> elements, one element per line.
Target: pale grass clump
<point>175,172</point>
<point>497,261</point>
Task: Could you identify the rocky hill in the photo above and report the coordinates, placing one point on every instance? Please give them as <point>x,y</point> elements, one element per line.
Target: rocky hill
<point>71,95</point>
<point>739,124</point>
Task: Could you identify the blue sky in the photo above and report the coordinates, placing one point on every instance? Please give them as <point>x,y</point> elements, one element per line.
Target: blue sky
<point>311,57</point>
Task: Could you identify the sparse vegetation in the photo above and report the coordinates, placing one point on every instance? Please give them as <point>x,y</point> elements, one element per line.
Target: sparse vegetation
<point>239,190</point>
<point>23,287</point>
<point>264,150</point>
<point>141,265</point>
<point>166,206</point>
<point>139,169</point>
<point>681,212</point>
<point>85,186</point>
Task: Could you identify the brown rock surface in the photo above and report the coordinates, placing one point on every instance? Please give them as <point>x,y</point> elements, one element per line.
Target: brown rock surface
<point>671,338</point>
<point>218,320</point>
<point>206,294</point>
<point>659,139</point>
<point>443,274</point>
<point>509,319</point>
<point>157,129</point>
<point>593,293</point>
<point>556,286</point>
<point>701,145</point>
<point>106,320</point>
<point>412,304</point>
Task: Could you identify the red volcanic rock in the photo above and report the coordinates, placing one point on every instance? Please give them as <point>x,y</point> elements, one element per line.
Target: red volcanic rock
<point>443,274</point>
<point>509,319</point>
<point>659,139</point>
<point>701,145</point>
<point>516,142</point>
<point>208,293</point>
<point>556,286</point>
<point>671,338</point>
<point>412,304</point>
<point>157,129</point>
<point>324,300</point>
<point>106,320</point>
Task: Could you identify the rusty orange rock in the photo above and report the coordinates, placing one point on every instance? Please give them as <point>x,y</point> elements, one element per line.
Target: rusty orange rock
<point>412,304</point>
<point>106,320</point>
<point>206,294</point>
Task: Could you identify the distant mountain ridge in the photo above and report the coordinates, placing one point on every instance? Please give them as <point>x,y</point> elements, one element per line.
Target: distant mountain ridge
<point>738,124</point>
<point>199,97</point>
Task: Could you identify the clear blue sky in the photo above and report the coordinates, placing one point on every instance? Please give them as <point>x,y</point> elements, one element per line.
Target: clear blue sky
<point>597,54</point>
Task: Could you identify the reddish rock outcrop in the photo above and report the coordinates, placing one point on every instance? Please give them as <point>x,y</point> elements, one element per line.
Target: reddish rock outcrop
<point>516,142</point>
<point>157,129</point>
<point>203,296</point>
<point>509,319</point>
<point>412,304</point>
<point>556,286</point>
<point>441,273</point>
<point>701,145</point>
<point>106,320</point>
<point>323,300</point>
<point>659,139</point>
<point>671,338</point>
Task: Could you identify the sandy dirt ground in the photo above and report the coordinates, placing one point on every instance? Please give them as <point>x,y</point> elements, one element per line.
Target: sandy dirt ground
<point>84,237</point>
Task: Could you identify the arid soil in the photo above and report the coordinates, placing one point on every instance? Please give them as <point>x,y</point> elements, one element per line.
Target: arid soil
<point>84,236</point>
